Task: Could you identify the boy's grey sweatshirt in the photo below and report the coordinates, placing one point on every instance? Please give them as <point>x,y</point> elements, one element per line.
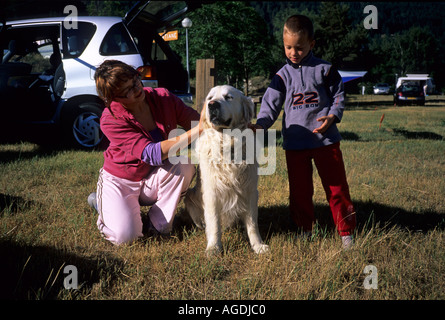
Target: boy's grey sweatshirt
<point>308,91</point>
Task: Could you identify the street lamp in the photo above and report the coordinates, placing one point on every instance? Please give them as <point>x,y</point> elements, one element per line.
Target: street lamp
<point>187,23</point>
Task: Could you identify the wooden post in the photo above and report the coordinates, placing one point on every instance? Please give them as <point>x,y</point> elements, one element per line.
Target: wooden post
<point>205,80</point>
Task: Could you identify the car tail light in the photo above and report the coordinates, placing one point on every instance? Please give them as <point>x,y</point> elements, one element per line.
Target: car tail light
<point>400,94</point>
<point>147,72</point>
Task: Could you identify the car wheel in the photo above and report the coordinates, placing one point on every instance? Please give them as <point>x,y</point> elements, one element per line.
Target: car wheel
<point>82,126</point>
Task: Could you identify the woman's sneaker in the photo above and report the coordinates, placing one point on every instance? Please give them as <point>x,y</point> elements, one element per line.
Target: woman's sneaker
<point>92,200</point>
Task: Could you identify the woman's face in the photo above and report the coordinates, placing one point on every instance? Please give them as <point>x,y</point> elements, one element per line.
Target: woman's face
<point>131,91</point>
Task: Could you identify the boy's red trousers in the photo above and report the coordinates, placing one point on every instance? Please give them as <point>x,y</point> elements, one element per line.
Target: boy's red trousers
<point>331,169</point>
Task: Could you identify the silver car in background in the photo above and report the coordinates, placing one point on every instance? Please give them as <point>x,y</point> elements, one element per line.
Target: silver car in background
<point>381,88</point>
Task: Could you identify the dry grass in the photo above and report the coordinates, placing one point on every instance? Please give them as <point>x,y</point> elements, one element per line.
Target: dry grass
<point>396,180</point>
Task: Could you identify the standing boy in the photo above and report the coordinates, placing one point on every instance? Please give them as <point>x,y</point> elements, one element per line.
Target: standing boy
<point>313,97</point>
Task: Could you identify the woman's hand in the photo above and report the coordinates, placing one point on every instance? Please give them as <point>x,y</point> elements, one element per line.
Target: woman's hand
<point>182,140</point>
<point>202,119</point>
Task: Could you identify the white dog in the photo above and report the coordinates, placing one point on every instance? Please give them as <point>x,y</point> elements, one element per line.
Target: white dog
<point>226,189</point>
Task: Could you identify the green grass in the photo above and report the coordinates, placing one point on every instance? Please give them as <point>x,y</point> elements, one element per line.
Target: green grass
<point>396,177</point>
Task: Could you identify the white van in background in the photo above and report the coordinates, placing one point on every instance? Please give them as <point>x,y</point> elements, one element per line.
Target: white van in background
<point>422,80</point>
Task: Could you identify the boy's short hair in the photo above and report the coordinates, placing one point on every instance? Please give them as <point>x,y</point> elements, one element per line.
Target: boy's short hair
<point>299,24</point>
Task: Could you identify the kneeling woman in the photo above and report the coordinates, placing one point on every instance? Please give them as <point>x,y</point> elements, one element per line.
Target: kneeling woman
<point>136,170</point>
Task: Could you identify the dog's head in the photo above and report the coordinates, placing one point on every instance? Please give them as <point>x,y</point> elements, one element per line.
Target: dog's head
<point>227,107</point>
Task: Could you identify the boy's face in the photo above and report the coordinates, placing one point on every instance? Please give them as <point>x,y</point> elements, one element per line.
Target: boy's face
<point>296,46</point>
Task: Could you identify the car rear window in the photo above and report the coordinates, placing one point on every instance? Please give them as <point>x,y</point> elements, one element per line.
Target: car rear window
<point>412,89</point>
<point>117,41</point>
<point>76,40</point>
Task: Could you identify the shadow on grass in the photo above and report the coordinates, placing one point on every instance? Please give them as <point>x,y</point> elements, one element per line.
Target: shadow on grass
<point>40,151</point>
<point>37,272</point>
<point>418,134</point>
<point>7,156</point>
<point>12,204</point>
<point>350,136</point>
<point>369,214</point>
<point>387,216</point>
<point>276,219</point>
<point>16,154</point>
<point>381,103</point>
<point>410,135</point>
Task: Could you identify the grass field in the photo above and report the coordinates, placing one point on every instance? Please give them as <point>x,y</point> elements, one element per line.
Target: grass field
<point>396,174</point>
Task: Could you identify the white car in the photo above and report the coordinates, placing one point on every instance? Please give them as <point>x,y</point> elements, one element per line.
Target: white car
<point>381,88</point>
<point>47,88</point>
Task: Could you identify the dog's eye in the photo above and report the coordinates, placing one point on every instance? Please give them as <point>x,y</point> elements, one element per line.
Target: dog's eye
<point>228,97</point>
<point>209,98</point>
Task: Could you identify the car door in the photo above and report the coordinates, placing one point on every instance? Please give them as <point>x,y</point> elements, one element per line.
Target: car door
<point>145,21</point>
<point>27,71</point>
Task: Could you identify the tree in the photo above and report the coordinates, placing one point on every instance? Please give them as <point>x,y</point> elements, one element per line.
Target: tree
<point>411,51</point>
<point>337,39</point>
<point>278,22</point>
<point>232,33</point>
<point>108,7</point>
<point>26,9</point>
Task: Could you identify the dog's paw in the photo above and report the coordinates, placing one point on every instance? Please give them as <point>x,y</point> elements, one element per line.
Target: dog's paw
<point>200,225</point>
<point>261,248</point>
<point>213,251</point>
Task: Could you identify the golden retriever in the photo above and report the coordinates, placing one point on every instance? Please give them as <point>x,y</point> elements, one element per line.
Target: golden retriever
<point>226,187</point>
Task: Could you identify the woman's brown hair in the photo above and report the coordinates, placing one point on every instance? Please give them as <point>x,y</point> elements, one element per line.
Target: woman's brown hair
<point>110,76</point>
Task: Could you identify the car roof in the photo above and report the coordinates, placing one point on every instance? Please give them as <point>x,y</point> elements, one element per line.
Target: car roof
<point>157,14</point>
<point>93,19</point>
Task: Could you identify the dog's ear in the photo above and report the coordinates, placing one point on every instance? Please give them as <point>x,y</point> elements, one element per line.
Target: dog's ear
<point>248,108</point>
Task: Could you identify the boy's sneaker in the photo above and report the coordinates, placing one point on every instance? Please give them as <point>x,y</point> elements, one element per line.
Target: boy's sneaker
<point>92,200</point>
<point>347,242</point>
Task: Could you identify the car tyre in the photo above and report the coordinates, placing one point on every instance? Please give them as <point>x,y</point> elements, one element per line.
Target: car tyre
<point>81,126</point>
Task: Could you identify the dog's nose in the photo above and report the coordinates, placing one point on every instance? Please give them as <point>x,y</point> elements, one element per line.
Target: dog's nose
<point>214,105</point>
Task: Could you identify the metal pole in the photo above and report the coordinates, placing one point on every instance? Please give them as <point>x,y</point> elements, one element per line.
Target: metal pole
<point>187,23</point>
<point>187,57</point>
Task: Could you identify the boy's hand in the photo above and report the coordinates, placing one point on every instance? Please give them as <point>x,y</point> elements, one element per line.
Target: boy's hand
<point>327,121</point>
<point>254,127</point>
